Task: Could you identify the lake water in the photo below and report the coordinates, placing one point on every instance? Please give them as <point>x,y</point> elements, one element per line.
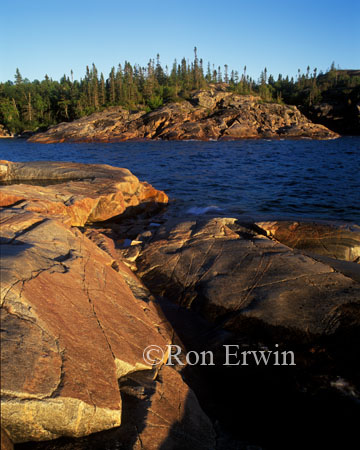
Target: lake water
<point>262,179</point>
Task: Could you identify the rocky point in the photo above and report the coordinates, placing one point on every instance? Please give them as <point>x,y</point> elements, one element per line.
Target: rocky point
<point>90,278</point>
<point>75,321</point>
<point>208,115</point>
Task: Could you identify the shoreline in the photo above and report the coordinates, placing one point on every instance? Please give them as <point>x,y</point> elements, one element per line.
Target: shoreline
<point>206,115</point>
<point>199,283</point>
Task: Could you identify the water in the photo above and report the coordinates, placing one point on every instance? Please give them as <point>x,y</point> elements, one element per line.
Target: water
<point>257,178</point>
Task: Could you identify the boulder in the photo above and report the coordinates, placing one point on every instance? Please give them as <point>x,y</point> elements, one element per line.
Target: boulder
<point>75,193</point>
<point>226,282</point>
<point>232,274</point>
<point>209,98</point>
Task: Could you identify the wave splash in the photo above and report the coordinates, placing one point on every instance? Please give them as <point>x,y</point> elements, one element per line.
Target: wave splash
<point>198,210</point>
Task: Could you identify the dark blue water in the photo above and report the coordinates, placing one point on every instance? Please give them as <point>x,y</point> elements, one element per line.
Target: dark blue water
<point>262,179</point>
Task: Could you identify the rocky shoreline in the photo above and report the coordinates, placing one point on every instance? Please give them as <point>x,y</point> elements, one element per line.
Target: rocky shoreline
<point>208,115</point>
<point>4,133</point>
<point>93,273</point>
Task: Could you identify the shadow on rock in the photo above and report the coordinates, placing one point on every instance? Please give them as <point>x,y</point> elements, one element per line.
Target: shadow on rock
<point>313,404</point>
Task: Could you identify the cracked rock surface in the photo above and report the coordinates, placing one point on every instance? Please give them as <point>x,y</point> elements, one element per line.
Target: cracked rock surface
<point>75,193</point>
<point>223,282</point>
<point>232,273</point>
<point>70,329</point>
<point>74,319</point>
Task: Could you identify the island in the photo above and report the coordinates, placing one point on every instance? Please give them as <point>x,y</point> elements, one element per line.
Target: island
<point>213,114</point>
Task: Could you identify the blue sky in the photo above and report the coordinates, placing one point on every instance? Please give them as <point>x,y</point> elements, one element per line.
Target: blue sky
<point>47,37</point>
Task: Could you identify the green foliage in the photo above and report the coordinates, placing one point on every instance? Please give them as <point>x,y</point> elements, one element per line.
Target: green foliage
<point>154,101</point>
<point>26,105</point>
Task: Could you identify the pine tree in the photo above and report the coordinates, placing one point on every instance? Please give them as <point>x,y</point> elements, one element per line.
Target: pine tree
<point>196,74</point>
<point>18,77</point>
<point>208,73</point>
<point>102,92</point>
<point>226,76</point>
<point>219,75</point>
<point>94,87</point>
<point>112,86</point>
<point>25,104</point>
<point>119,96</point>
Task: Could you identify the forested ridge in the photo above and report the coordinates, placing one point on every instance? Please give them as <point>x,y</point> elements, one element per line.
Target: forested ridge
<point>33,105</point>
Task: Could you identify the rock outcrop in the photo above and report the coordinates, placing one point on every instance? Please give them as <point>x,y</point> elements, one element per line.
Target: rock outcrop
<point>174,418</point>
<point>76,193</point>
<point>339,107</point>
<point>342,117</point>
<point>75,322</point>
<point>231,273</point>
<point>227,283</point>
<point>208,115</point>
<point>6,443</point>
<point>339,242</point>
<point>4,133</point>
<point>60,326</point>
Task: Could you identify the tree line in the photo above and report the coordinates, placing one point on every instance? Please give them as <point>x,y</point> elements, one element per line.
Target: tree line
<point>26,105</point>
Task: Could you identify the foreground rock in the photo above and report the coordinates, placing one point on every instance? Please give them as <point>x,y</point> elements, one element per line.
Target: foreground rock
<point>226,283</point>
<point>171,402</point>
<point>339,242</point>
<point>6,443</point>
<point>232,274</point>
<point>75,322</point>
<point>82,193</point>
<point>62,347</point>
<point>209,115</point>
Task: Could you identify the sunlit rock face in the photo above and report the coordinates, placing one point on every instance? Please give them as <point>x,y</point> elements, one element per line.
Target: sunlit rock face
<point>210,114</point>
<point>340,242</point>
<point>232,273</point>
<point>75,193</point>
<point>71,328</point>
<point>74,319</point>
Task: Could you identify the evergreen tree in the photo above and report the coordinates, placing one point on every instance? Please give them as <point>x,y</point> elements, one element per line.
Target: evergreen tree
<point>226,76</point>
<point>94,87</point>
<point>18,77</point>
<point>111,86</point>
<point>102,92</point>
<point>29,105</point>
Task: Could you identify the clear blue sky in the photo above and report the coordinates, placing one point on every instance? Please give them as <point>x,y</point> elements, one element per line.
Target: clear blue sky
<point>47,37</point>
